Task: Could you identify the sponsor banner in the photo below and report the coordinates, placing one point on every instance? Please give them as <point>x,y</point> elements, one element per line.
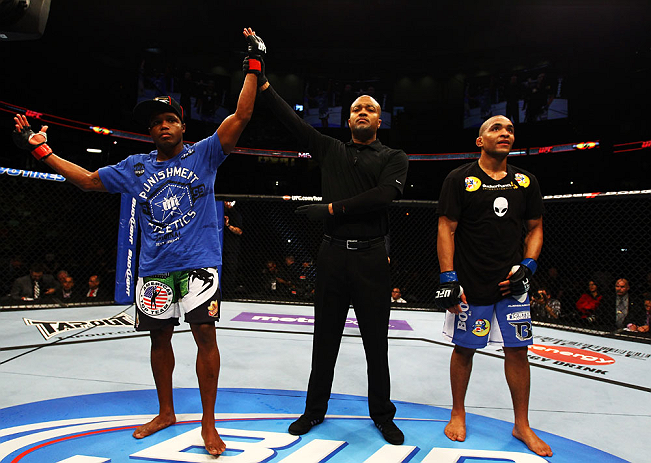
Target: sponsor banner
<point>595,360</point>
<point>49,329</point>
<point>31,174</point>
<point>303,198</point>
<point>125,273</point>
<point>571,354</point>
<point>253,423</point>
<point>286,319</point>
<point>594,348</point>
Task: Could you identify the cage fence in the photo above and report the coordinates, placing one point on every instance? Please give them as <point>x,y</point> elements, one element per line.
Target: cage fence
<point>587,238</point>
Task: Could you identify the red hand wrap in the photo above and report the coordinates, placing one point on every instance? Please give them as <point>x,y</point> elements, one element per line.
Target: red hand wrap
<point>255,65</point>
<point>42,151</point>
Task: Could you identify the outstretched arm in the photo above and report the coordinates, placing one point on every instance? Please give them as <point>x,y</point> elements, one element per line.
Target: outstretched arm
<point>77,175</point>
<point>232,127</point>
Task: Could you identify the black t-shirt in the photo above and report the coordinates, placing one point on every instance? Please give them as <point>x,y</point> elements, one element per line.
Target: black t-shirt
<point>347,170</point>
<point>490,215</point>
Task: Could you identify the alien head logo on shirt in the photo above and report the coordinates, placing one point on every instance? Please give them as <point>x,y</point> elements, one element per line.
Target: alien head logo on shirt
<point>500,206</point>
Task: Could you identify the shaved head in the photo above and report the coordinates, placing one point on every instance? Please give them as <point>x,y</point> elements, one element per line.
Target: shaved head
<point>490,122</point>
<point>365,97</point>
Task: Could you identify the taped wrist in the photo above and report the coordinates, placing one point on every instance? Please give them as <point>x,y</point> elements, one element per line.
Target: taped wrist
<point>42,151</point>
<point>446,277</point>
<point>530,264</point>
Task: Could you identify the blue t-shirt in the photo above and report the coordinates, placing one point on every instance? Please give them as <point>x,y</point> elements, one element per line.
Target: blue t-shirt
<point>177,208</point>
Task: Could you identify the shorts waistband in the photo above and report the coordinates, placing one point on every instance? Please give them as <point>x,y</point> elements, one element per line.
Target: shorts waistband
<point>353,245</point>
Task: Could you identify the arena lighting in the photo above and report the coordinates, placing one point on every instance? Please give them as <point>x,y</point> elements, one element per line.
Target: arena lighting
<point>588,145</point>
<point>72,124</point>
<point>101,130</point>
<point>93,150</point>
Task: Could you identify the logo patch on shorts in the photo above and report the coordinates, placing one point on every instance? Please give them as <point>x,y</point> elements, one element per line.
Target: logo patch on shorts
<point>481,327</point>
<point>516,316</point>
<point>155,298</point>
<point>213,309</point>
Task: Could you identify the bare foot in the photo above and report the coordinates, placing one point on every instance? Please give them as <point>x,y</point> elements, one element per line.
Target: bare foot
<point>535,443</point>
<point>456,427</point>
<point>158,423</point>
<point>211,440</point>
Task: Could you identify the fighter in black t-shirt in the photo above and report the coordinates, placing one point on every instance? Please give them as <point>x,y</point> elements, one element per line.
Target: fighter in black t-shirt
<point>484,207</point>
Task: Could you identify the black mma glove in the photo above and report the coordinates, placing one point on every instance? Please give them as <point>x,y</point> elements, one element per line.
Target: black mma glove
<point>449,291</point>
<point>254,63</point>
<point>520,280</point>
<point>256,46</point>
<point>314,211</point>
<point>23,136</point>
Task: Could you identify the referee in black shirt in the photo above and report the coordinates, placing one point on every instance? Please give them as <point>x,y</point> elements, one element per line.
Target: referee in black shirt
<point>359,179</point>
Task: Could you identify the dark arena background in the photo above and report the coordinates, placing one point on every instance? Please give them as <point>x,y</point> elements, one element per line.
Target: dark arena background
<point>578,72</point>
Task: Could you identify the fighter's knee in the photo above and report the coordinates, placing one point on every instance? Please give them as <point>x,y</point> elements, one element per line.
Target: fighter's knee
<point>464,351</point>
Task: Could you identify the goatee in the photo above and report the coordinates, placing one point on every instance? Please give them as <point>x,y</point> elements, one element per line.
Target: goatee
<point>363,134</point>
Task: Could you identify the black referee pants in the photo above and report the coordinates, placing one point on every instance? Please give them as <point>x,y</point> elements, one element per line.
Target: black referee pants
<point>363,278</point>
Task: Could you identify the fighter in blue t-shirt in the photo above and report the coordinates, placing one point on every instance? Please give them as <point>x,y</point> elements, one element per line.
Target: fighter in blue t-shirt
<point>180,250</point>
<point>485,274</point>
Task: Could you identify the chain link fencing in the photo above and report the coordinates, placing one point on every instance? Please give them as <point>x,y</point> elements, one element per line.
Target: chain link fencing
<point>599,238</point>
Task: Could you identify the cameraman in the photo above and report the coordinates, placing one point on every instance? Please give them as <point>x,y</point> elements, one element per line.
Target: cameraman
<point>544,307</point>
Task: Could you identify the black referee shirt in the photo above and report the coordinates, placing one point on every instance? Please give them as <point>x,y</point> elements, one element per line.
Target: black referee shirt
<point>347,170</point>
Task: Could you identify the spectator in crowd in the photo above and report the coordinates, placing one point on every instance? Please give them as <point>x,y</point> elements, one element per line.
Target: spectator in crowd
<point>552,282</point>
<point>643,324</point>
<point>646,285</point>
<point>96,291</point>
<point>621,308</point>
<point>14,268</point>
<point>98,261</point>
<point>588,303</point>
<point>231,252</point>
<point>307,279</point>
<point>289,275</point>
<point>544,307</point>
<point>66,293</point>
<point>396,296</point>
<point>34,286</point>
<point>61,276</point>
<point>270,275</point>
<point>50,263</point>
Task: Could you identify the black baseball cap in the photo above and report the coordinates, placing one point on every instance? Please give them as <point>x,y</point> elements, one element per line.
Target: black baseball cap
<point>161,104</point>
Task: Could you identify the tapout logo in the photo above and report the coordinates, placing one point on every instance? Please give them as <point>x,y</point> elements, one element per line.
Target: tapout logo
<point>571,355</point>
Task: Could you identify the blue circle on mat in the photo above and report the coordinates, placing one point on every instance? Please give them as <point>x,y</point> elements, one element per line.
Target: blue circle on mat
<point>97,428</point>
